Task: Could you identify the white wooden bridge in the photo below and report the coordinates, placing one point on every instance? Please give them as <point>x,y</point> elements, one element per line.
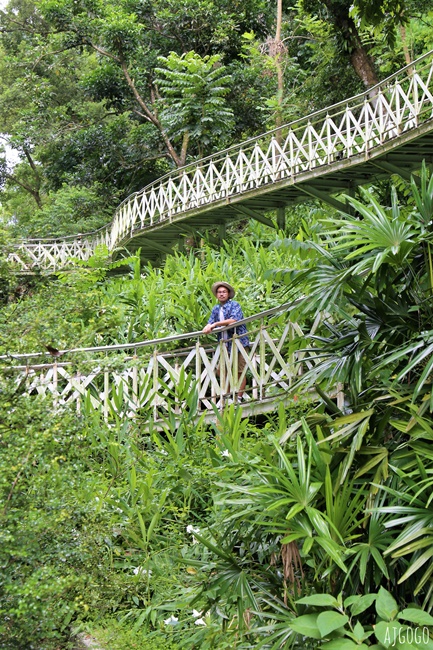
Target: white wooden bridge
<point>387,130</point>
<point>178,374</point>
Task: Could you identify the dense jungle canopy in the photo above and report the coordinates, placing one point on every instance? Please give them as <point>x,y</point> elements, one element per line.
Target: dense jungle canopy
<point>310,527</point>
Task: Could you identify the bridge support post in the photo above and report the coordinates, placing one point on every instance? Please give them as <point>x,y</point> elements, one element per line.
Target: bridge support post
<point>222,232</point>
<point>281,218</point>
<point>181,244</point>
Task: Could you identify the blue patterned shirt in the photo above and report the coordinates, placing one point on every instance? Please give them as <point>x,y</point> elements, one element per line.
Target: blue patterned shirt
<point>231,309</point>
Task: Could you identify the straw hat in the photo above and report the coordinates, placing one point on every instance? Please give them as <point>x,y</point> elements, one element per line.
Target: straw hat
<point>223,284</point>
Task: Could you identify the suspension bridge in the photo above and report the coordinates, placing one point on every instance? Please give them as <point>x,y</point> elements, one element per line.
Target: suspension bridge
<point>387,130</point>
<point>178,374</point>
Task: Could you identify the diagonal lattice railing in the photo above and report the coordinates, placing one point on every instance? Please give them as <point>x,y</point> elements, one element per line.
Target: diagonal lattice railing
<point>401,104</point>
<point>162,378</point>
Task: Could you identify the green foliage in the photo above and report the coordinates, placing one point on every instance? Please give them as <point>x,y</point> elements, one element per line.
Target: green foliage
<point>89,115</point>
<point>274,105</point>
<point>64,314</point>
<point>116,636</point>
<point>71,210</point>
<point>193,106</point>
<point>373,273</point>
<point>185,283</point>
<point>343,627</point>
<point>226,535</point>
<point>49,522</point>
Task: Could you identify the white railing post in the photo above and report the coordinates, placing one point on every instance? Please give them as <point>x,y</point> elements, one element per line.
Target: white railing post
<point>366,126</point>
<point>155,384</point>
<point>329,148</point>
<point>198,369</point>
<point>78,405</point>
<point>55,385</point>
<point>310,147</point>
<point>415,98</point>
<point>223,372</point>
<point>254,391</point>
<point>227,178</point>
<point>347,131</point>
<point>262,351</point>
<point>177,404</point>
<point>213,391</point>
<point>135,396</point>
<point>240,176</point>
<point>235,365</point>
<point>106,393</point>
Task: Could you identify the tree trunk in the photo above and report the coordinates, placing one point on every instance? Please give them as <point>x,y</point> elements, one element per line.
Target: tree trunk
<point>359,58</point>
<point>148,114</point>
<point>363,66</point>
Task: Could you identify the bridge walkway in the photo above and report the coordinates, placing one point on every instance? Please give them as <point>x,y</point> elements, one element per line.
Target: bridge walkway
<point>166,377</point>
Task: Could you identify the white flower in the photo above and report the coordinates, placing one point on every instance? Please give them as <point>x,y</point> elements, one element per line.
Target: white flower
<point>190,530</point>
<point>196,614</point>
<point>171,621</point>
<point>199,621</point>
<point>144,572</point>
<point>225,453</point>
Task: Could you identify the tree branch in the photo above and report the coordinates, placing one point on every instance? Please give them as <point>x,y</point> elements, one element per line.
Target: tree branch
<point>101,51</point>
<point>151,116</point>
<point>140,114</point>
<point>34,193</point>
<point>185,142</point>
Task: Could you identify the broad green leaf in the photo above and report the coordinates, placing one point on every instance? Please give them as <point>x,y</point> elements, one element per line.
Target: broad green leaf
<point>416,616</point>
<point>422,640</point>
<point>306,625</point>
<point>375,460</point>
<point>359,632</point>
<point>332,550</point>
<point>142,527</point>
<point>350,600</point>
<point>319,600</point>
<point>395,635</point>
<point>292,537</point>
<point>327,622</point>
<point>307,545</point>
<point>362,604</point>
<point>387,633</point>
<point>343,644</point>
<point>386,606</point>
<point>294,510</point>
<point>379,561</point>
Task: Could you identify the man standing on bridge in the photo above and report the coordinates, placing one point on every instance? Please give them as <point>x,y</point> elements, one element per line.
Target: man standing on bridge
<point>227,312</point>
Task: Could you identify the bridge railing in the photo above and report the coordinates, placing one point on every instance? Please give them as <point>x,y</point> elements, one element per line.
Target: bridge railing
<point>151,375</point>
<point>331,136</point>
<point>53,253</point>
<point>356,126</point>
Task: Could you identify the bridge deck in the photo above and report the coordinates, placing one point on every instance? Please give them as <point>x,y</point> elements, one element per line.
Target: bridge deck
<point>323,183</point>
